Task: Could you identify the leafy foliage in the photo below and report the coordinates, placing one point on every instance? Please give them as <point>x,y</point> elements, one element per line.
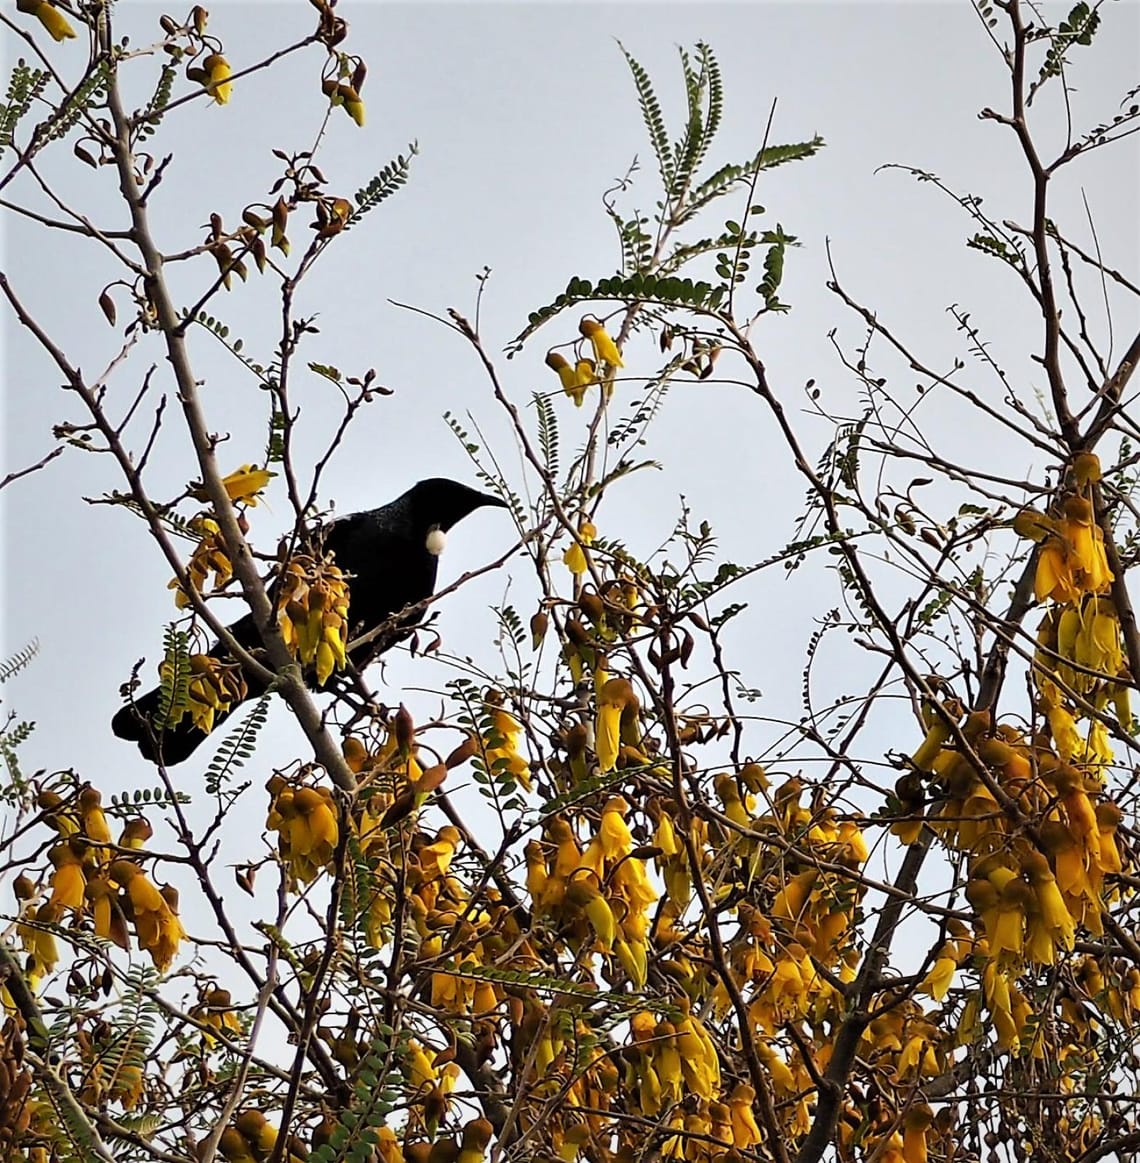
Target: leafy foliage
<point>14,663</point>
<point>1078,28</point>
<point>390,179</point>
<point>24,87</point>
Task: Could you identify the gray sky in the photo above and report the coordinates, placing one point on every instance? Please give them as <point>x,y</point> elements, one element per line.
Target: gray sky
<point>524,114</point>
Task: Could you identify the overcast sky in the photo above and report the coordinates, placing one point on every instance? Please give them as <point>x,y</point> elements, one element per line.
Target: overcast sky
<point>524,114</point>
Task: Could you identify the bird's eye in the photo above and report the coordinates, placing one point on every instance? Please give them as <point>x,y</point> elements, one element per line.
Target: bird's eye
<point>436,540</point>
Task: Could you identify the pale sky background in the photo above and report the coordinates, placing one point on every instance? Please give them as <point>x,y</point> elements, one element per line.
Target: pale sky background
<point>524,114</point>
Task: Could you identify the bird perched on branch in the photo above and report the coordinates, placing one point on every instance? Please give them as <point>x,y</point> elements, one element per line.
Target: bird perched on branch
<point>388,555</point>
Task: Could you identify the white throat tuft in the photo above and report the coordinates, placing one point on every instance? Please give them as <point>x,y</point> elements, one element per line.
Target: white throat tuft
<point>436,541</point>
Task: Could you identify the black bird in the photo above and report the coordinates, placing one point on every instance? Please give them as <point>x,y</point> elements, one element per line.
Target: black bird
<point>390,555</point>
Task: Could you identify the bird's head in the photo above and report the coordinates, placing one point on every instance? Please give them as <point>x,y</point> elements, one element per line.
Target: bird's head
<point>438,503</point>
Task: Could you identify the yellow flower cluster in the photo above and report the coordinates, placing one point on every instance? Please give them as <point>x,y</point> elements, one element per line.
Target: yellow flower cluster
<point>305,820</point>
<point>214,687</point>
<point>88,886</point>
<point>1071,559</point>
<point>312,611</point>
<point>215,1010</point>
<point>576,378</point>
<point>209,557</point>
<point>501,742</point>
<point>575,556</point>
<point>599,897</point>
<point>153,910</point>
<point>1031,885</point>
<point>252,1138</point>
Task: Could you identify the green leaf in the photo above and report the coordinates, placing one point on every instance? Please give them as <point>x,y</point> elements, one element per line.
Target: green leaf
<point>654,121</point>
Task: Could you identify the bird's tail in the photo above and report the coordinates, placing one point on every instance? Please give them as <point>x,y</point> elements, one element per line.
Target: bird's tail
<point>166,745</point>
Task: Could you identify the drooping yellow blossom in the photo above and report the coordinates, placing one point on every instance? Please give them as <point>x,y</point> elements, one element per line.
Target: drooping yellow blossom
<point>559,363</point>
<point>253,1137</point>
<point>940,977</point>
<point>473,1144</point>
<point>55,813</point>
<point>38,941</point>
<point>745,1133</point>
<point>353,105</point>
<point>95,826</point>
<point>605,350</point>
<point>618,708</point>
<point>1108,819</point>
<point>68,879</point>
<point>1051,923</point>
<point>136,832</point>
<point>215,1009</point>
<point>582,892</point>
<point>157,927</point>
<point>306,822</point>
<point>613,840</point>
<point>246,484</point>
<point>586,375</point>
<point>916,1123</point>
<point>575,558</point>
<point>312,612</point>
<point>699,1060</point>
<point>1071,561</point>
<point>346,95</point>
<point>435,859</point>
<point>209,556</point>
<point>108,918</point>
<point>214,687</point>
<point>217,82</point>
<point>501,743</point>
<point>49,16</point>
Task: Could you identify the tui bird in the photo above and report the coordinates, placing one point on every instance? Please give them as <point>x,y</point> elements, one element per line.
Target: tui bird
<point>390,556</point>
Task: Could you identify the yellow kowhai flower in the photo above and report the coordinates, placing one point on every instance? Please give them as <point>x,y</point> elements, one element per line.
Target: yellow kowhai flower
<point>473,1142</point>
<point>586,374</point>
<point>916,1122</point>
<point>352,103</point>
<point>419,1067</point>
<point>745,1132</point>
<point>49,16</point>
<point>217,77</point>
<point>306,823</point>
<point>575,557</point>
<point>614,839</point>
<point>1051,923</point>
<point>157,927</point>
<point>209,556</point>
<point>938,980</point>
<point>435,858</point>
<point>38,942</point>
<point>1072,561</point>
<point>634,958</point>
<point>312,612</point>
<point>95,826</point>
<point>215,1009</point>
<point>583,893</point>
<point>618,706</point>
<point>1108,819</point>
<point>246,483</point>
<point>1097,642</point>
<point>68,880</point>
<point>214,687</point>
<point>343,94</point>
<point>108,918</point>
<point>605,350</point>
<point>559,363</point>
<point>501,744</point>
